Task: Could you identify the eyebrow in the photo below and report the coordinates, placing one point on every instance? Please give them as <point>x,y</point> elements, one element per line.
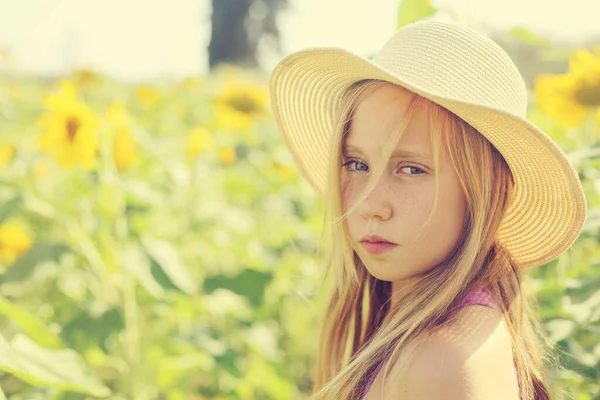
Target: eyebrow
<point>346,148</point>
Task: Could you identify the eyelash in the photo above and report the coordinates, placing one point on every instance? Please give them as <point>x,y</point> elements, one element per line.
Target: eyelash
<point>406,166</point>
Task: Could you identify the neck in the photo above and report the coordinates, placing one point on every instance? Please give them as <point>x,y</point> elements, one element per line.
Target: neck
<point>400,287</point>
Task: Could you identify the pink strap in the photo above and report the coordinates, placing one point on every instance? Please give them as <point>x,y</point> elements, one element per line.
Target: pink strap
<point>478,296</point>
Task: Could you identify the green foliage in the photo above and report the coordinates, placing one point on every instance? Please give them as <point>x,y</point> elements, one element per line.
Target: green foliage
<point>568,289</point>
<point>62,369</point>
<point>527,36</point>
<point>191,273</point>
<point>172,279</point>
<point>413,10</point>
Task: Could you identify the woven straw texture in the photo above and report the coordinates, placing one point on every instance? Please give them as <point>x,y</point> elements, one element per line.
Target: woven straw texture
<point>471,76</point>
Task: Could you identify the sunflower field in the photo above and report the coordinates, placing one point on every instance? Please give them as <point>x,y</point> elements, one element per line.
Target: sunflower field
<point>157,241</point>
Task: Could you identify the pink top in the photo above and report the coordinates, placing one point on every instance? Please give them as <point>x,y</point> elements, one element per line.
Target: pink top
<point>479,296</point>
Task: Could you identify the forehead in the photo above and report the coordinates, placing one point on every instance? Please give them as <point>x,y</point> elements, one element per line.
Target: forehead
<point>379,114</point>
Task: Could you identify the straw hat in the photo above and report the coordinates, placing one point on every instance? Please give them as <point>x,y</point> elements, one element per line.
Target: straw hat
<point>471,76</point>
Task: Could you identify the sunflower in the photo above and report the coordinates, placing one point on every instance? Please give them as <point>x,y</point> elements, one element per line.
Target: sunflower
<point>7,154</point>
<point>198,140</point>
<point>124,146</point>
<point>189,83</point>
<point>239,104</point>
<point>69,129</point>
<point>227,155</point>
<point>147,95</point>
<point>117,114</point>
<point>571,97</point>
<point>14,241</point>
<point>124,149</point>
<point>86,79</point>
<point>287,172</point>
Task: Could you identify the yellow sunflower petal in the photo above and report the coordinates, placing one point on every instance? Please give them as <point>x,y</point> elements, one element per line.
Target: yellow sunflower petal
<point>227,156</point>
<point>14,241</point>
<point>585,65</point>
<point>198,140</point>
<point>545,92</point>
<point>227,118</point>
<point>583,57</point>
<point>7,154</point>
<point>65,95</point>
<point>117,114</point>
<point>288,172</point>
<point>124,150</point>
<point>572,114</point>
<point>147,95</point>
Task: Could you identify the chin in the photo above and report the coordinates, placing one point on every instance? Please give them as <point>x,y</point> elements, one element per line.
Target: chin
<point>384,274</point>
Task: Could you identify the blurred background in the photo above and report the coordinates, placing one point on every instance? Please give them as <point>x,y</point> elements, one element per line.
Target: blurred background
<point>156,239</point>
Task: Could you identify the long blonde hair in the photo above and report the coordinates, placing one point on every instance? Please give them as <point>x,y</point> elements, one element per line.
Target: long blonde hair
<point>359,327</point>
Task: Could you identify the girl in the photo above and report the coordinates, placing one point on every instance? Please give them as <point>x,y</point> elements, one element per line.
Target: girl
<point>437,191</point>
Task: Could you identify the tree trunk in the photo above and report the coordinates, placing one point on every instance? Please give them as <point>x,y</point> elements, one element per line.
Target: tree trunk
<point>230,41</point>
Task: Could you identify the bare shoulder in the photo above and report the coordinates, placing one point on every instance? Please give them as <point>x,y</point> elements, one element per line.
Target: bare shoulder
<point>470,359</point>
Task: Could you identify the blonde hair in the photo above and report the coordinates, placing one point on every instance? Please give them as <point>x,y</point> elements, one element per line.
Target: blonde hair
<point>359,327</point>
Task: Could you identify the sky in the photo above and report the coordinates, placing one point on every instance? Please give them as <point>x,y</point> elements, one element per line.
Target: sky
<point>147,39</point>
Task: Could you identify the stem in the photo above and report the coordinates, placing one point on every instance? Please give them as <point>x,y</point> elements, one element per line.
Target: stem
<point>595,123</point>
<point>132,337</point>
<point>90,252</point>
<point>132,321</point>
<point>590,129</point>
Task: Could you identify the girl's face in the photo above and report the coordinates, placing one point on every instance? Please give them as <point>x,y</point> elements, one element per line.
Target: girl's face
<point>404,196</point>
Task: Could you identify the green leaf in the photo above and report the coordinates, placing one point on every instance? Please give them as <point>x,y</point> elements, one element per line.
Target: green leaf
<point>24,267</point>
<point>582,355</point>
<point>8,207</point>
<point>30,324</point>
<point>62,369</point>
<point>266,377</point>
<point>249,283</point>
<point>560,329</point>
<point>86,331</point>
<point>137,262</point>
<point>160,277</point>
<point>413,10</point>
<point>526,36</point>
<point>2,395</point>
<point>172,265</point>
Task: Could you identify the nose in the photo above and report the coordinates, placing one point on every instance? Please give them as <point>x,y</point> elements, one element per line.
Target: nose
<point>377,204</point>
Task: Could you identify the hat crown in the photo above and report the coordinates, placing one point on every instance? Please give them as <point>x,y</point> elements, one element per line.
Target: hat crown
<point>469,67</point>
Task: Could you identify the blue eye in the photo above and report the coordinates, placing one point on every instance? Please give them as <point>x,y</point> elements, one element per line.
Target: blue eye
<point>355,162</point>
<point>406,170</point>
<point>412,170</point>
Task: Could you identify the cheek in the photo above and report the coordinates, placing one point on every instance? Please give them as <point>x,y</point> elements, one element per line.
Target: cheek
<point>413,207</point>
<point>447,223</point>
<point>350,189</point>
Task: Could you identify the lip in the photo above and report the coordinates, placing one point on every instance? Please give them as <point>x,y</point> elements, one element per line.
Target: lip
<point>375,239</point>
<point>378,247</point>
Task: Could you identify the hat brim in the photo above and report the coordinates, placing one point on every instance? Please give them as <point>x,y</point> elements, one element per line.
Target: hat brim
<point>549,206</point>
